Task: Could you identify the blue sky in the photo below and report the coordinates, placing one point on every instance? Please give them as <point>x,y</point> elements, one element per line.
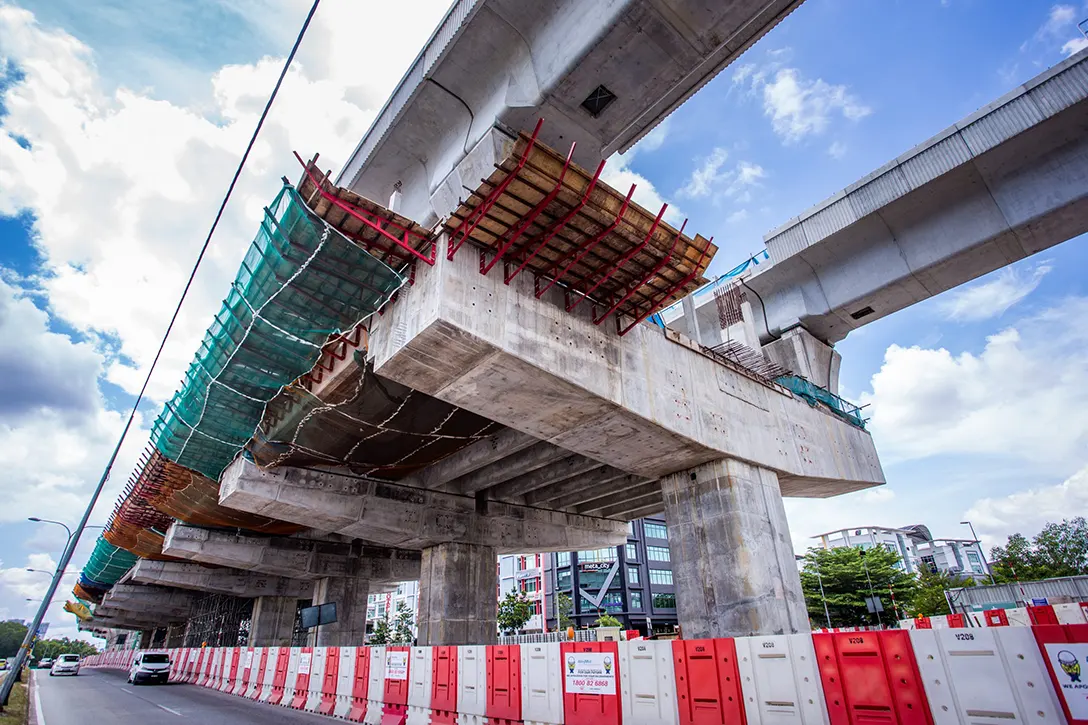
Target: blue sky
<point>119,128</point>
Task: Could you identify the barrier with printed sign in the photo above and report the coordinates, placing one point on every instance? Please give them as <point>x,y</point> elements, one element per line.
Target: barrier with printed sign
<point>590,676</point>
<point>303,666</point>
<point>869,676</point>
<point>1064,648</point>
<point>395,692</point>
<point>996,618</point>
<point>245,671</point>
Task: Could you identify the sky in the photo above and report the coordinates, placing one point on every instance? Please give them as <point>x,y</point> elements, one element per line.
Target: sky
<point>121,124</point>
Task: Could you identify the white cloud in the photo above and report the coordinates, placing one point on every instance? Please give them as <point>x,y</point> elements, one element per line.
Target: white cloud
<point>1029,510</point>
<point>619,175</point>
<point>737,217</point>
<point>710,178</point>
<point>655,138</point>
<point>871,507</point>
<point>1075,45</point>
<point>1060,25</point>
<point>799,107</point>
<point>836,150</point>
<point>993,296</point>
<point>705,176</point>
<point>1022,396</point>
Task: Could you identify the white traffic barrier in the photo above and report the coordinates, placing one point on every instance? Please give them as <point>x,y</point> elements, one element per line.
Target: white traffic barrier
<point>1069,613</point>
<point>317,679</point>
<point>648,683</point>
<point>981,676</point>
<point>1019,617</point>
<point>245,671</point>
<point>256,675</point>
<point>375,691</point>
<point>421,676</point>
<point>268,676</point>
<point>292,676</point>
<point>541,684</point>
<point>780,680</point>
<point>472,684</point>
<point>345,682</point>
<point>232,661</point>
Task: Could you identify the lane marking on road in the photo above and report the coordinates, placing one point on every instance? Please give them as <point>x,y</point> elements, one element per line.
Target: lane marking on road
<point>164,707</point>
<point>39,717</point>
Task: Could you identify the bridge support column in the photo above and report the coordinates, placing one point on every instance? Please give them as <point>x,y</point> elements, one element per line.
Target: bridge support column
<point>732,559</point>
<point>808,356</point>
<point>272,622</point>
<point>457,595</point>
<point>350,594</point>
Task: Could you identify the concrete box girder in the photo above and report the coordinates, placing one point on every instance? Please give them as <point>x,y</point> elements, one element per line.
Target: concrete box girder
<point>644,403</point>
<point>201,578</point>
<point>294,557</point>
<point>405,517</point>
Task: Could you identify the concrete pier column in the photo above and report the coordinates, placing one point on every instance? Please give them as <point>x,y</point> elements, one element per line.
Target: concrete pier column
<point>272,622</point>
<point>147,636</point>
<point>457,595</point>
<point>175,636</point>
<point>732,558</point>
<point>349,593</point>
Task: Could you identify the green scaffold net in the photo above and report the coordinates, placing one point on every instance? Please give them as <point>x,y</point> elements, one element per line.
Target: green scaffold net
<point>300,282</point>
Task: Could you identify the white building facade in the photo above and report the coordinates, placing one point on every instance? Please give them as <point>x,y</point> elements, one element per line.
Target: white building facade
<point>917,549</point>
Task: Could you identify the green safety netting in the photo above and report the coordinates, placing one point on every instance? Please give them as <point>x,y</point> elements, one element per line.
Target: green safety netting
<point>814,395</point>
<point>107,564</point>
<point>300,282</point>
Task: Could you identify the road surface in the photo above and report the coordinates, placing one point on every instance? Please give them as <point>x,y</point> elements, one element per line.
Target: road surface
<point>104,696</point>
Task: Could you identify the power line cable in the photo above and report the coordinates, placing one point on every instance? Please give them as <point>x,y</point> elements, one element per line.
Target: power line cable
<point>66,557</point>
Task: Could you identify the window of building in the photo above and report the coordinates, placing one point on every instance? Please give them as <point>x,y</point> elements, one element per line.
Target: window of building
<point>632,552</point>
<point>655,531</point>
<point>630,528</point>
<point>976,562</point>
<point>612,602</point>
<point>636,600</point>
<point>528,585</point>
<point>929,563</point>
<point>597,555</point>
<point>664,601</point>
<point>657,553</point>
<point>562,559</point>
<point>632,575</point>
<point>660,576</point>
<point>563,579</point>
<point>536,558</point>
<point>536,607</point>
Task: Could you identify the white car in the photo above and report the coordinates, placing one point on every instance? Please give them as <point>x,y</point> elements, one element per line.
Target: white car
<point>65,665</point>
<point>149,667</point>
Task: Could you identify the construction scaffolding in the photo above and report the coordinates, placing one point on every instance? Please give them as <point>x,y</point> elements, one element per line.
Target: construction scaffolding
<point>219,620</point>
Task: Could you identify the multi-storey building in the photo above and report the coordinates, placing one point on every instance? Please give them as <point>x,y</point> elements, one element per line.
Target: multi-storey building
<point>633,583</point>
<point>916,548</point>
<point>384,605</point>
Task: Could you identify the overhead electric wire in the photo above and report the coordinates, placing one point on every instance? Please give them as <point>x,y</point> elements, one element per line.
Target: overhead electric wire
<point>66,557</point>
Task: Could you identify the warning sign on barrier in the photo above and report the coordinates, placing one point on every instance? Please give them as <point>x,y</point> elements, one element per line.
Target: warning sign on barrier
<point>248,661</point>
<point>304,663</point>
<point>396,666</point>
<point>590,673</point>
<point>1070,664</point>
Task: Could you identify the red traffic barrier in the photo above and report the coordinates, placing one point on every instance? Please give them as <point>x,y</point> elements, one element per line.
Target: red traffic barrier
<point>707,682</point>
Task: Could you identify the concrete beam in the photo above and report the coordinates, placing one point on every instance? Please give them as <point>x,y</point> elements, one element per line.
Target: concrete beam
<point>404,517</point>
<point>647,403</point>
<point>544,477</point>
<point>530,459</point>
<point>151,609</point>
<point>141,594</point>
<point>569,492</point>
<point>502,445</point>
<point>293,557</point>
<point>618,504</point>
<point>201,578</point>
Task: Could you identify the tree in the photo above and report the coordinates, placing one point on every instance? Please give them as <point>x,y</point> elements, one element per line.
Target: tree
<point>403,623</point>
<point>563,607</point>
<point>382,633</point>
<point>12,633</point>
<point>929,599</point>
<point>607,620</point>
<point>514,611</point>
<point>1057,550</point>
<point>53,648</point>
<point>846,573</point>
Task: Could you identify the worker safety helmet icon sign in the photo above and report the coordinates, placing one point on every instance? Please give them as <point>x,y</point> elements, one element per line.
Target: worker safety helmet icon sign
<point>1069,664</point>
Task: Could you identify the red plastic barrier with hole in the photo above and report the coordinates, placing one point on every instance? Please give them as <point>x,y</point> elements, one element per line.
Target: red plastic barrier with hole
<point>922,623</point>
<point>503,683</point>
<point>444,685</point>
<point>328,683</point>
<point>395,694</point>
<point>996,618</point>
<point>302,680</point>
<point>1042,614</point>
<point>259,675</point>
<point>871,677</point>
<point>957,621</point>
<point>360,684</point>
<point>587,709</point>
<point>279,677</point>
<point>707,682</point>
<point>1067,680</point>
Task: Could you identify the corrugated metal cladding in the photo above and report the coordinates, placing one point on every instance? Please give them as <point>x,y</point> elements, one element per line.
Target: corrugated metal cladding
<point>1063,90</point>
<point>882,190</point>
<point>452,23</point>
<point>829,220</point>
<point>938,159</point>
<point>1001,124</point>
<point>788,243</point>
<point>1075,587</point>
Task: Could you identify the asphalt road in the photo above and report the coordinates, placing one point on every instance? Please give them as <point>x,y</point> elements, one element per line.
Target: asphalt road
<point>105,696</point>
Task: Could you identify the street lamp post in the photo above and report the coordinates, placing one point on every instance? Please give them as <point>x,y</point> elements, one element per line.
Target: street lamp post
<point>982,551</point>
